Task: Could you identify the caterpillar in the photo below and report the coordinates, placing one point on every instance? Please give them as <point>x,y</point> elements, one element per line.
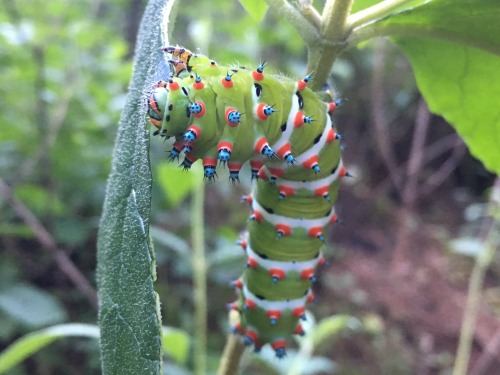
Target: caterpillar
<point>230,115</point>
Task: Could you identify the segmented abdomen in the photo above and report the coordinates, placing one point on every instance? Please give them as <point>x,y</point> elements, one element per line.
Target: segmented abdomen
<point>229,116</point>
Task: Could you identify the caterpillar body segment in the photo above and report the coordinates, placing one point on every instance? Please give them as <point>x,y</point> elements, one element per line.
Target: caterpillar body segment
<point>227,115</point>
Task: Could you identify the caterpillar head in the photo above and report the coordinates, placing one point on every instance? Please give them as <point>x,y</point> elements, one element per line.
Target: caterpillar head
<point>168,108</point>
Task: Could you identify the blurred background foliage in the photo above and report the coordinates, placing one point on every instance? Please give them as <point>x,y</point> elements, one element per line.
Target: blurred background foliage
<point>65,69</point>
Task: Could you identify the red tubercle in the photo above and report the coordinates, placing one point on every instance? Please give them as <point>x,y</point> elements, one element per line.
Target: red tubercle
<point>233,306</point>
<point>322,191</point>
<point>262,174</point>
<point>283,229</point>
<point>276,172</point>
<point>251,335</point>
<point>332,106</point>
<point>252,263</point>
<point>311,297</point>
<point>209,162</point>
<point>277,274</point>
<point>299,330</point>
<point>298,120</point>
<point>311,162</point>
<point>301,84</point>
<point>299,312</point>
<point>243,244</point>
<point>273,315</point>
<point>225,144</point>
<point>331,136</point>
<point>227,114</point>
<point>284,150</point>
<point>238,283</point>
<point>334,219</point>
<point>256,164</point>
<point>247,198</point>
<point>257,216</point>
<point>202,112</point>
<point>195,129</point>
<point>237,328</point>
<point>260,144</point>
<point>257,76</point>
<point>277,344</point>
<point>234,167</point>
<point>250,304</point>
<point>259,111</point>
<point>228,84</point>
<point>286,191</point>
<point>198,85</point>
<point>173,86</point>
<point>189,158</point>
<point>343,172</point>
<point>315,232</point>
<point>322,261</point>
<point>306,274</point>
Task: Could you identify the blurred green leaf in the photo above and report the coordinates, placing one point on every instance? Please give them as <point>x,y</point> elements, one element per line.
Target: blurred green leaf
<point>39,199</point>
<point>31,306</point>
<point>34,341</point>
<point>475,23</point>
<point>175,182</point>
<point>462,84</point>
<point>256,8</point>
<point>176,343</point>
<point>332,326</point>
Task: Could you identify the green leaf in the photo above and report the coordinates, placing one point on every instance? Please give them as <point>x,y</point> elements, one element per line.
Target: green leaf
<point>129,308</point>
<point>34,341</point>
<point>176,343</point>
<point>474,23</point>
<point>256,8</point>
<point>332,326</point>
<point>31,306</point>
<point>462,84</point>
<point>175,182</point>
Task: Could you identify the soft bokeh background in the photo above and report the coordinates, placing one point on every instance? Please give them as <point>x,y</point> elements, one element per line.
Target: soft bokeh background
<point>396,262</point>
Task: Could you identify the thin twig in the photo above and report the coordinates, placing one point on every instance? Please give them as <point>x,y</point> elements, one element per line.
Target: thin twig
<point>483,260</point>
<point>416,156</point>
<point>231,356</point>
<point>48,242</point>
<point>199,265</point>
<point>444,171</point>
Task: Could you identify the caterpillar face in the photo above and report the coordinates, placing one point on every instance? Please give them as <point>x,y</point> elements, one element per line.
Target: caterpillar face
<point>230,116</point>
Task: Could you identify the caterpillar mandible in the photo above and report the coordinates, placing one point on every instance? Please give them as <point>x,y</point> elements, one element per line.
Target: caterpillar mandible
<point>231,115</point>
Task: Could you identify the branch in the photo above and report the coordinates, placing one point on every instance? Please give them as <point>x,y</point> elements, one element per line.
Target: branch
<point>49,243</point>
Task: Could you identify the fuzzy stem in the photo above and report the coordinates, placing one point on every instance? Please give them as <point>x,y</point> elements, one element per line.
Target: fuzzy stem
<point>324,51</point>
<point>475,284</point>
<point>199,276</point>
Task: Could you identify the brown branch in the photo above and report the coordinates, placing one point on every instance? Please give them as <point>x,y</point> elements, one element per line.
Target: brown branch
<point>438,177</point>
<point>416,156</point>
<point>48,242</point>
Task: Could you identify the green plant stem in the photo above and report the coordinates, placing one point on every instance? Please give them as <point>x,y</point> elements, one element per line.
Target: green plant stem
<point>374,12</point>
<point>231,357</point>
<point>475,285</point>
<point>199,265</point>
<point>324,51</point>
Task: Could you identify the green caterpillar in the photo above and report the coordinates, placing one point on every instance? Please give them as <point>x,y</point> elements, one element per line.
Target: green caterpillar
<point>231,115</point>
